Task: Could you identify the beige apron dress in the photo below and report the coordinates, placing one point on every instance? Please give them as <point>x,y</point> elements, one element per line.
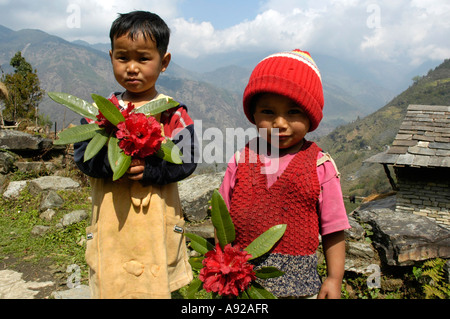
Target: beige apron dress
<point>134,245</point>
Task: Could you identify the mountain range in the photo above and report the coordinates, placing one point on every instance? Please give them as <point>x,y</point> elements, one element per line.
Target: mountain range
<point>213,96</point>
<point>212,87</point>
<point>354,142</point>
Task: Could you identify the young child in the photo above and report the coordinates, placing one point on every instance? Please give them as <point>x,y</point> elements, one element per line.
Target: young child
<point>135,248</point>
<point>284,95</point>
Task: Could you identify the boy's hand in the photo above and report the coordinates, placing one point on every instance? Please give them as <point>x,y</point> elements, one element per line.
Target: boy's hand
<point>136,170</point>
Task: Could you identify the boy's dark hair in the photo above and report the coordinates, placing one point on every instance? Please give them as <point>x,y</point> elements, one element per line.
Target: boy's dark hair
<point>148,24</point>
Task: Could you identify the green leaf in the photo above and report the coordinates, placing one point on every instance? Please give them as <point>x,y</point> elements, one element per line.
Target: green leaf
<point>119,161</point>
<point>77,134</point>
<point>243,295</point>
<point>265,241</point>
<point>256,291</point>
<point>199,244</point>
<point>195,286</point>
<point>157,106</point>
<point>196,262</point>
<point>75,104</point>
<point>108,109</point>
<point>221,219</point>
<point>268,272</point>
<point>96,144</point>
<point>170,152</point>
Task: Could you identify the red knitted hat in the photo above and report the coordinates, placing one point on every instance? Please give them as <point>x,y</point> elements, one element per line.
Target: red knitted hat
<point>293,74</point>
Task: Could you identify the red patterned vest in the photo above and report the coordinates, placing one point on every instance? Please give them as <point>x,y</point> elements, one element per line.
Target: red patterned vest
<point>291,200</point>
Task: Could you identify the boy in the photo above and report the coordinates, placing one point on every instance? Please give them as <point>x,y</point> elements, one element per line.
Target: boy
<point>135,248</point>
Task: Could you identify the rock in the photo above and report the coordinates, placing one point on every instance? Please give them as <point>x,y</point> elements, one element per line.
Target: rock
<point>51,200</point>
<point>47,183</point>
<point>39,230</point>
<point>195,193</point>
<point>80,292</point>
<point>37,167</point>
<point>12,286</point>
<point>205,229</point>
<point>356,232</point>
<point>3,182</point>
<point>384,203</point>
<point>359,256</point>
<point>47,215</point>
<point>73,218</point>
<point>7,161</point>
<point>404,238</point>
<point>23,143</point>
<point>391,284</point>
<point>14,189</point>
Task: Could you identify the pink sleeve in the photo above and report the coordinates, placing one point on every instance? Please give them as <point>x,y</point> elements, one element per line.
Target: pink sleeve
<point>332,213</point>
<point>226,188</point>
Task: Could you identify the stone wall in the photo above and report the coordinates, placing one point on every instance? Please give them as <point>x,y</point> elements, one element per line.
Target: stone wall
<point>425,192</point>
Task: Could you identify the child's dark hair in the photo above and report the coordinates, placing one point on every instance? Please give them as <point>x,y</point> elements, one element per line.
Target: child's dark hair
<point>148,24</point>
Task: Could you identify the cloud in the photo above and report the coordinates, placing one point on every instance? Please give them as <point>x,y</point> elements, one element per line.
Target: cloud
<point>415,31</point>
<point>412,31</point>
<point>404,30</point>
<point>270,30</point>
<point>87,20</point>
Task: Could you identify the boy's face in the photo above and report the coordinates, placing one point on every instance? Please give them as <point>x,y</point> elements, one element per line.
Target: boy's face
<point>273,111</point>
<point>137,65</point>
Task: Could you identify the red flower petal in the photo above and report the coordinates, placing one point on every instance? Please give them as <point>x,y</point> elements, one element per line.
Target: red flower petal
<point>226,272</point>
<point>139,136</point>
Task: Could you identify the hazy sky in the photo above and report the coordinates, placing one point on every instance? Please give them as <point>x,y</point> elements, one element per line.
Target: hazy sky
<point>400,30</point>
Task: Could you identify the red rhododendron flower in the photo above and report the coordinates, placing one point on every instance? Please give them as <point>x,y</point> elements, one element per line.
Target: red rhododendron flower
<point>227,272</point>
<point>139,135</point>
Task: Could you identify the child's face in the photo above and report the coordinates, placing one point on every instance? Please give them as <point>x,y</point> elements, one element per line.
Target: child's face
<point>137,65</point>
<point>273,111</point>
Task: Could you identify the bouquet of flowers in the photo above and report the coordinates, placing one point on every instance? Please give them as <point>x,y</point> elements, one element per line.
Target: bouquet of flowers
<point>127,134</point>
<point>224,269</point>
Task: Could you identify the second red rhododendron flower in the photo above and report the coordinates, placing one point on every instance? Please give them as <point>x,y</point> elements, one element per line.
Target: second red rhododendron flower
<point>227,272</point>
<point>140,136</point>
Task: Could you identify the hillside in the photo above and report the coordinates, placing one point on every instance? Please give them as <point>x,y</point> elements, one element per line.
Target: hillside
<point>213,97</point>
<point>82,69</point>
<point>78,69</point>
<point>351,144</point>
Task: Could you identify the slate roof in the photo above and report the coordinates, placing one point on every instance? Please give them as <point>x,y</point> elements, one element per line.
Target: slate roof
<point>423,139</point>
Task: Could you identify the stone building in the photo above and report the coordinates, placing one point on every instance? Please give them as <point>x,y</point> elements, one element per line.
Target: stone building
<point>420,156</point>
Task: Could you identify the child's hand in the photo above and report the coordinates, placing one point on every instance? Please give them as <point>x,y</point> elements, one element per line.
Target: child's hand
<point>331,289</point>
<point>136,170</point>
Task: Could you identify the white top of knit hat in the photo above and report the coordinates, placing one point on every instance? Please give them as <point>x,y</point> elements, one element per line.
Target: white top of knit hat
<point>299,56</point>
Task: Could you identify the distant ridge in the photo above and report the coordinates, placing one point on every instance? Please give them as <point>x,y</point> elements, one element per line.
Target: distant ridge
<point>351,144</point>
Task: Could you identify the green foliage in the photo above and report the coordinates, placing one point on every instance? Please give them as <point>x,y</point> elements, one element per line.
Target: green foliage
<point>119,161</point>
<point>58,246</point>
<point>225,233</point>
<point>433,279</point>
<point>265,242</point>
<point>75,104</point>
<point>221,220</point>
<point>24,90</point>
